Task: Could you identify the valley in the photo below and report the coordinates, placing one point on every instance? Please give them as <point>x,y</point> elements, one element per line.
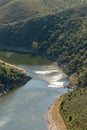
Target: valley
<point>56,30</point>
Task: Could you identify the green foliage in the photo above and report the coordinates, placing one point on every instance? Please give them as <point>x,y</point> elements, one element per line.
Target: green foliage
<point>9,75</point>
<point>14,11</point>
<point>34,45</point>
<point>74,109</point>
<point>61,36</point>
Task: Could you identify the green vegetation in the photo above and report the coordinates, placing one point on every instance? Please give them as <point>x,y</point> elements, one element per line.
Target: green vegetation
<point>62,36</point>
<point>10,76</point>
<point>14,11</point>
<point>55,29</point>
<point>73,109</point>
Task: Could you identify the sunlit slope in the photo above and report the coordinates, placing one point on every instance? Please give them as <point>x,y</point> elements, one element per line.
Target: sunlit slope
<point>74,109</point>
<point>12,11</point>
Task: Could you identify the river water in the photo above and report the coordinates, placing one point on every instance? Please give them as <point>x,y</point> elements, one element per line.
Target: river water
<point>24,108</point>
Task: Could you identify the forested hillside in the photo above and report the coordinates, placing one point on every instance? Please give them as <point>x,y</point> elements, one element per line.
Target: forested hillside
<point>62,36</point>
<point>55,29</point>
<point>74,109</point>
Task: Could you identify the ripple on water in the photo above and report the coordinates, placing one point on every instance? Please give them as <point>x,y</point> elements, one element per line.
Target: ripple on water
<point>53,77</point>
<point>4,120</point>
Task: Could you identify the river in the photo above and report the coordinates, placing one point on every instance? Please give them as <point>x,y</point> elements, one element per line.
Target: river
<point>24,108</point>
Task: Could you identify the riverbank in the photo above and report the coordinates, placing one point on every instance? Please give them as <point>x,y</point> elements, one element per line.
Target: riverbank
<point>33,53</point>
<point>53,117</point>
<point>11,76</point>
<point>23,51</point>
<point>10,65</point>
<point>14,85</point>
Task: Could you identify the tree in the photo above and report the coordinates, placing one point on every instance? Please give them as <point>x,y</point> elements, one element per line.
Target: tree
<point>34,45</point>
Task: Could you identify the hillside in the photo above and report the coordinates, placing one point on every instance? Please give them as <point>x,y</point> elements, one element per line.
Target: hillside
<point>14,11</point>
<point>55,29</point>
<point>62,36</point>
<point>11,76</point>
<point>74,109</point>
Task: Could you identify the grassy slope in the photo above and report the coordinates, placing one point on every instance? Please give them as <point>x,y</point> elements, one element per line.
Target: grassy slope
<point>74,109</point>
<point>13,11</point>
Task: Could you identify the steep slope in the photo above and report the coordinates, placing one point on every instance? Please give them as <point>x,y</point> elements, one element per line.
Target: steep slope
<point>74,109</point>
<point>13,11</point>
<point>62,36</point>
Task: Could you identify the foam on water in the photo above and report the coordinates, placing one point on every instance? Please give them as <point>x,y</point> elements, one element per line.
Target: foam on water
<point>24,108</point>
<point>54,81</point>
<point>52,75</point>
<point>56,84</point>
<point>4,120</point>
<point>46,72</point>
